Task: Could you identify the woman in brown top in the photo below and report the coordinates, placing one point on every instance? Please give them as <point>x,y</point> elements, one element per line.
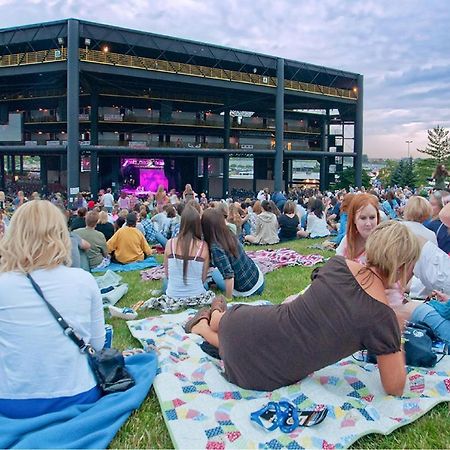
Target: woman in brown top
<point>344,310</point>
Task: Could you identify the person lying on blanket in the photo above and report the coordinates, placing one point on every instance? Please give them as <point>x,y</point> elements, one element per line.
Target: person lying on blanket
<point>344,310</point>
<point>41,370</point>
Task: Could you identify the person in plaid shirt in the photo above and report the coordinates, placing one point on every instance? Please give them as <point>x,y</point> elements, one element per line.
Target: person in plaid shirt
<point>151,235</point>
<point>235,273</point>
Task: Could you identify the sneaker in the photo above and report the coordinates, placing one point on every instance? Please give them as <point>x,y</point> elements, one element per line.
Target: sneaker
<point>122,313</point>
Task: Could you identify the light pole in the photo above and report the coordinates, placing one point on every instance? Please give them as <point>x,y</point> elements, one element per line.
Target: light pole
<point>408,142</point>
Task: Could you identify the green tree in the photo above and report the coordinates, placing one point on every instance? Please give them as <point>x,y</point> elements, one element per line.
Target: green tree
<point>408,175</point>
<point>385,173</point>
<point>403,174</point>
<point>423,170</point>
<point>347,178</point>
<point>438,145</point>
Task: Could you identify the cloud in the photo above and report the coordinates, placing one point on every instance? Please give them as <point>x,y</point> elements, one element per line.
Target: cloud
<point>400,47</point>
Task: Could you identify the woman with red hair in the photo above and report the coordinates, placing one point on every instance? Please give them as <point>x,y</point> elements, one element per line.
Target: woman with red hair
<point>363,217</point>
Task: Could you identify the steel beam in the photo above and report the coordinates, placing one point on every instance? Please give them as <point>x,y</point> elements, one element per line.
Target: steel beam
<point>2,171</point>
<point>93,175</point>
<point>73,125</point>
<point>206,176</point>
<point>226,157</point>
<point>279,127</point>
<point>358,141</point>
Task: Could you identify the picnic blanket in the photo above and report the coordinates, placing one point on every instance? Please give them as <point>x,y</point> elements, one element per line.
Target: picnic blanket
<point>203,410</point>
<point>83,426</point>
<point>270,260</point>
<point>267,260</point>
<point>137,265</point>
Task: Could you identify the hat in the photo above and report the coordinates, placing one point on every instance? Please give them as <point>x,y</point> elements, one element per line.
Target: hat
<point>131,219</point>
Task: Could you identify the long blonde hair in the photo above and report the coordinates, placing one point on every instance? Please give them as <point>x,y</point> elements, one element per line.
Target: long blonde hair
<point>37,238</point>
<point>392,249</point>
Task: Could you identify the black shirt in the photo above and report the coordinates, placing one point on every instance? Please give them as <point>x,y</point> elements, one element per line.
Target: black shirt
<point>288,227</point>
<point>106,228</point>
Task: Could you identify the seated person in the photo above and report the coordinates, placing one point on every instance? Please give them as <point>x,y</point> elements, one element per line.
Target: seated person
<point>104,225</point>
<point>256,343</point>
<point>266,230</point>
<point>41,370</point>
<point>79,220</point>
<point>288,222</point>
<point>236,274</point>
<point>128,244</point>
<point>96,239</point>
<point>152,236</point>
<point>186,258</point>
<point>316,225</point>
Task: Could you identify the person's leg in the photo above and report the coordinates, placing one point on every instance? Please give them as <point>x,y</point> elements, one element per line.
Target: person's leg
<point>260,290</point>
<point>252,239</point>
<point>165,282</point>
<point>427,314</point>
<point>302,234</point>
<point>203,329</point>
<point>216,317</point>
<point>218,279</point>
<point>161,239</point>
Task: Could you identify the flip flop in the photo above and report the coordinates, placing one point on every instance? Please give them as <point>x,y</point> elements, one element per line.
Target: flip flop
<point>219,304</point>
<point>203,313</point>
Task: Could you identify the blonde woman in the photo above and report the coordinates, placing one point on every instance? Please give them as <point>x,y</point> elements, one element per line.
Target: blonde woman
<point>104,225</point>
<point>2,200</point>
<point>41,370</point>
<point>416,212</point>
<point>353,317</point>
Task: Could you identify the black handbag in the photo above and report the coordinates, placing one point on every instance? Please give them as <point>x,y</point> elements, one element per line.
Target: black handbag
<point>418,346</point>
<point>108,365</point>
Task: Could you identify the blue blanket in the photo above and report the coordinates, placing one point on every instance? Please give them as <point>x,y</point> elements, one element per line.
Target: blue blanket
<point>83,426</point>
<point>138,265</point>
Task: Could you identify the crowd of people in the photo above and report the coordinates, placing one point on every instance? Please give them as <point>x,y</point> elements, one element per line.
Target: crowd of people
<point>392,246</point>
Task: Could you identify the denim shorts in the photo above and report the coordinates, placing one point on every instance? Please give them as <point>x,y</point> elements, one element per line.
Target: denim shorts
<point>427,314</point>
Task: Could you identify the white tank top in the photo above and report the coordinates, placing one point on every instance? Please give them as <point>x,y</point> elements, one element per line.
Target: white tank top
<point>176,287</point>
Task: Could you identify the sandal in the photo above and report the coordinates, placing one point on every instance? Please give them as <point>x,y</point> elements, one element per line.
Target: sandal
<point>219,304</point>
<point>204,313</point>
<point>267,416</point>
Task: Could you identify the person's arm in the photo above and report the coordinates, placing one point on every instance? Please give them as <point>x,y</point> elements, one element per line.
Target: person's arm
<point>229,286</point>
<point>222,262</point>
<point>112,243</point>
<point>167,251</point>
<point>84,245</point>
<point>392,372</point>
<point>97,319</point>
<point>205,255</point>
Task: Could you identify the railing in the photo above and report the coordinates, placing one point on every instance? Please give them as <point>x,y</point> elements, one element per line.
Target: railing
<point>179,121</point>
<point>138,62</point>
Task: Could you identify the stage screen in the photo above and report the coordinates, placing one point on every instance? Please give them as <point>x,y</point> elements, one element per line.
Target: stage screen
<point>143,175</point>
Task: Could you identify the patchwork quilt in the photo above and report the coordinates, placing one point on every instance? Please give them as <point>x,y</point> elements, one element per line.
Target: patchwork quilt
<point>203,410</point>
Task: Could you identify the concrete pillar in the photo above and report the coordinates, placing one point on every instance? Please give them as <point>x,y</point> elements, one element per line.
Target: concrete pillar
<point>73,109</point>
<point>279,127</point>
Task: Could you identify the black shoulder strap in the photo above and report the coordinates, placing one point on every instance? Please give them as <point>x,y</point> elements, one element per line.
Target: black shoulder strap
<point>68,330</point>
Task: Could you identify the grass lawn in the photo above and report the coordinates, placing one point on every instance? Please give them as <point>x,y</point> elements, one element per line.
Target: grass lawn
<point>146,428</point>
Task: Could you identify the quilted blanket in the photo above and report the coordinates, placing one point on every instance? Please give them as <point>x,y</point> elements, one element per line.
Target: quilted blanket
<point>203,410</point>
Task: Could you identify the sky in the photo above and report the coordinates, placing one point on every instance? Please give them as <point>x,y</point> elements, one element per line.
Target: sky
<point>400,46</point>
